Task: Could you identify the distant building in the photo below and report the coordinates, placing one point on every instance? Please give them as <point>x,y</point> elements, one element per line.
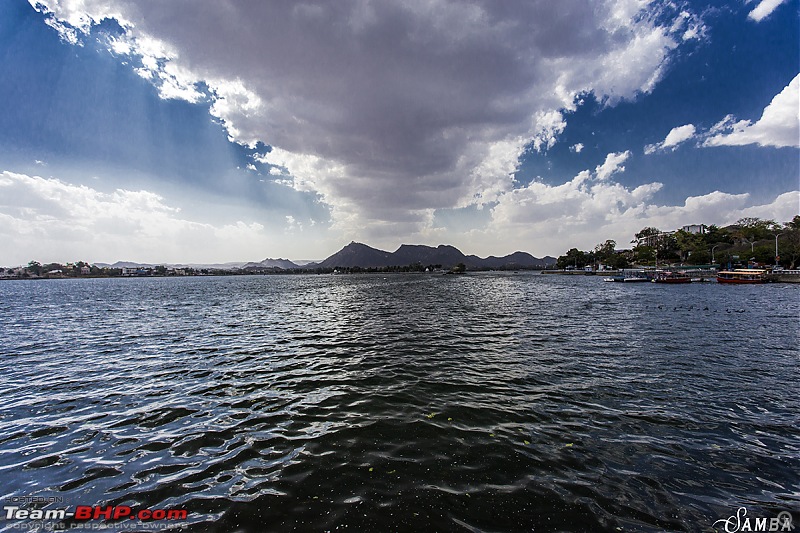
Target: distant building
<point>85,270</point>
<point>701,229</point>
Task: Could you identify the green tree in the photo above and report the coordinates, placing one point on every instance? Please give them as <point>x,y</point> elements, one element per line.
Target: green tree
<point>686,242</point>
<point>715,235</point>
<point>789,243</point>
<point>664,245</point>
<point>699,256</point>
<point>646,237</point>
<point>644,254</point>
<point>751,229</point>
<point>617,261</point>
<point>648,231</point>
<point>692,247</point>
<point>52,266</point>
<point>574,258</point>
<point>34,267</point>
<point>605,250</point>
<point>763,254</point>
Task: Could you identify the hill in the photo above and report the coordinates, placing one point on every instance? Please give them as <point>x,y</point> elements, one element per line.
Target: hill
<point>356,255</point>
<point>360,255</point>
<point>283,264</point>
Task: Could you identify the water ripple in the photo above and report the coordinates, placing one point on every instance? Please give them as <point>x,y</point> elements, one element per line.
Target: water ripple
<point>403,402</point>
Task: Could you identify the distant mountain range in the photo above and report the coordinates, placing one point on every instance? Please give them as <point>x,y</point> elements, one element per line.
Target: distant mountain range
<point>134,264</point>
<point>360,255</point>
<point>283,264</point>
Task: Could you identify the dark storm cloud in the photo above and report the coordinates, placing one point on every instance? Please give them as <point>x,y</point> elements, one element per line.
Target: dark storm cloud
<point>387,108</point>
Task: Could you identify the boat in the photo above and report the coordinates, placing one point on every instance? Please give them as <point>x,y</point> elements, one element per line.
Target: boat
<point>742,276</point>
<point>629,276</point>
<point>671,277</point>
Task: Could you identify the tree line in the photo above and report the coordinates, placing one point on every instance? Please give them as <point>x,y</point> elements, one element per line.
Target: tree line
<point>82,269</point>
<point>749,240</point>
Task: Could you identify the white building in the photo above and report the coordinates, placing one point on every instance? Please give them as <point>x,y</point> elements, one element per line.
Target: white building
<point>695,228</point>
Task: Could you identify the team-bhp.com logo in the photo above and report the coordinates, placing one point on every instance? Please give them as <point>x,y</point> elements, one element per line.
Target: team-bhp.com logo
<point>85,513</point>
<point>741,522</point>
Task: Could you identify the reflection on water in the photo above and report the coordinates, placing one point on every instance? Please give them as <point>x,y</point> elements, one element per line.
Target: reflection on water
<point>404,402</point>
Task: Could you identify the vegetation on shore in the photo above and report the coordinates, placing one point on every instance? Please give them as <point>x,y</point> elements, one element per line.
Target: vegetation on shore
<point>81,269</point>
<point>748,241</point>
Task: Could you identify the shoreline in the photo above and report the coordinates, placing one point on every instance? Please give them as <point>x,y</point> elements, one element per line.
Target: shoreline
<point>792,276</point>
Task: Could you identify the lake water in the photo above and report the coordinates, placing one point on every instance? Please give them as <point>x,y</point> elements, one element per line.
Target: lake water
<point>409,402</point>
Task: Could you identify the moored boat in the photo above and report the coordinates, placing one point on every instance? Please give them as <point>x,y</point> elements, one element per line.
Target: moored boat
<point>742,276</point>
<point>629,276</point>
<point>671,277</point>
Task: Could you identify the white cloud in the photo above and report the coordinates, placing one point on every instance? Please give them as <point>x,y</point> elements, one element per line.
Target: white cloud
<point>579,203</point>
<point>292,223</point>
<point>582,212</point>
<point>783,209</point>
<point>234,105</point>
<point>690,25</point>
<point>778,126</point>
<point>178,83</point>
<point>591,207</point>
<point>612,165</point>
<point>50,220</point>
<point>547,127</point>
<point>764,9</point>
<point>678,135</point>
<point>675,137</point>
<point>390,110</point>
<point>635,68</point>
<point>577,148</point>
<point>65,31</point>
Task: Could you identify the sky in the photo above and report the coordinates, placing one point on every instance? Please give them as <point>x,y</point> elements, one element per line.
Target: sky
<point>210,131</point>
